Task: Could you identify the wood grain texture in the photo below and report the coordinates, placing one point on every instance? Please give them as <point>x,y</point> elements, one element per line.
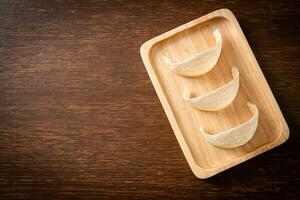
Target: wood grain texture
<point>81,120</point>
<point>205,159</point>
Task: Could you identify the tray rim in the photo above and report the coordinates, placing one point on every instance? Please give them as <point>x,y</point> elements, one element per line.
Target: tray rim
<point>198,171</point>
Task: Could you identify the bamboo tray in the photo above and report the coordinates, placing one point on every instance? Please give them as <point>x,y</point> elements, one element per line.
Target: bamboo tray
<point>205,159</point>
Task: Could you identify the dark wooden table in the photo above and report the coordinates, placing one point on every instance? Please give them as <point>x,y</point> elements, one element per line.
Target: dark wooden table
<point>79,117</point>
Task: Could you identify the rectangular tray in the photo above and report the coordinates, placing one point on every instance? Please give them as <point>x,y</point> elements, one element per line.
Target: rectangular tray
<point>205,159</point>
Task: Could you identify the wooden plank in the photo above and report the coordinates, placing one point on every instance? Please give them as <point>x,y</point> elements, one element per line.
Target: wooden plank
<point>80,118</point>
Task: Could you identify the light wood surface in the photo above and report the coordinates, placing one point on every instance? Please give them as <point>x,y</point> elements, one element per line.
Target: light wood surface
<point>205,159</point>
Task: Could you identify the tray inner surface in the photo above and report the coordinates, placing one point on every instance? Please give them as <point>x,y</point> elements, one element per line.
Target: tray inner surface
<point>253,88</point>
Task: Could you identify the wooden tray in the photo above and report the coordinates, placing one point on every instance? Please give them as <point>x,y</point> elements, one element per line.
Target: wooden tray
<point>205,159</point>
